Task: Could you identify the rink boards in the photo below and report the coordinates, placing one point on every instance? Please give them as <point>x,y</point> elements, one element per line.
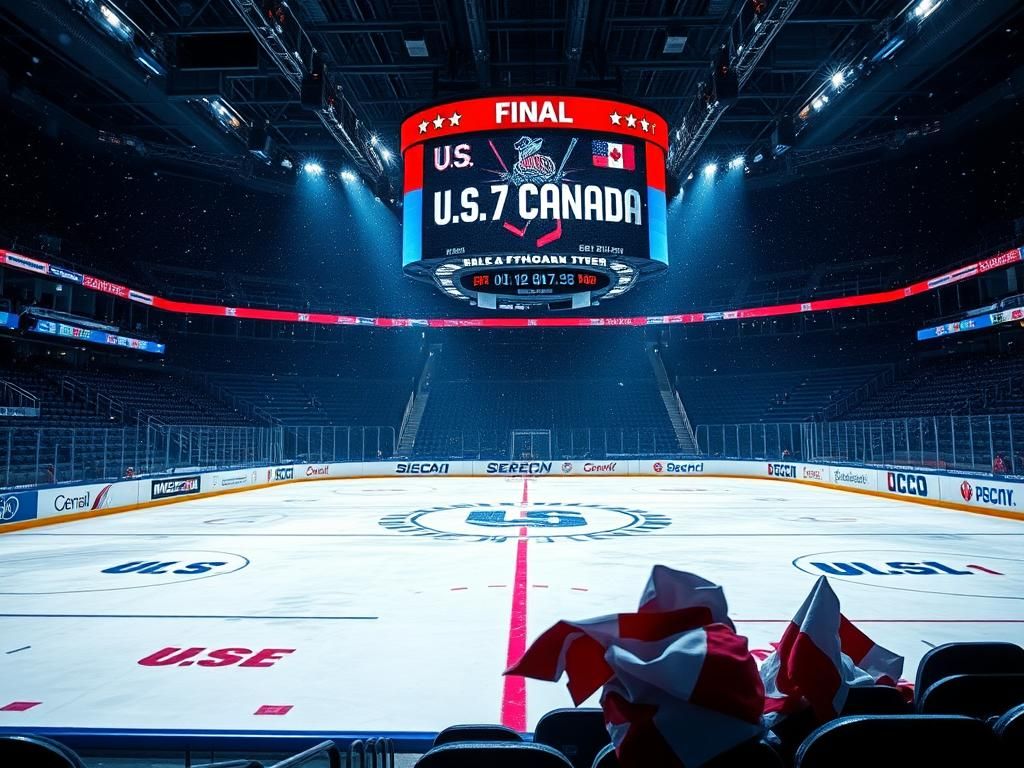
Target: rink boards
<point>972,492</point>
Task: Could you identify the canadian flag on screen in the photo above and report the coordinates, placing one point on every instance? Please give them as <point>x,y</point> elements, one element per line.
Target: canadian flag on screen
<point>608,154</point>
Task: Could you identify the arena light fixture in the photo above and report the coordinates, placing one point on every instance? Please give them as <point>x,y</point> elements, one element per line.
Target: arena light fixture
<point>737,162</point>
<point>224,114</point>
<point>925,8</point>
<point>710,169</point>
<point>116,24</point>
<point>385,154</point>
<point>149,63</point>
<point>889,49</point>
<point>348,176</point>
<point>838,79</point>
<point>113,22</point>
<point>313,168</point>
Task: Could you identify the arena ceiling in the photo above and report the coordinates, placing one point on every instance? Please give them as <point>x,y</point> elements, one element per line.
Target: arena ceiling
<point>194,81</point>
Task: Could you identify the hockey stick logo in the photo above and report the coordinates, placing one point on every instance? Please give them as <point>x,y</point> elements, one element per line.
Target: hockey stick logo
<point>532,167</point>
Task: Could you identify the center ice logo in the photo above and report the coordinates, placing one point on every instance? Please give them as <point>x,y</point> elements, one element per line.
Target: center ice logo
<point>535,518</point>
<point>546,521</point>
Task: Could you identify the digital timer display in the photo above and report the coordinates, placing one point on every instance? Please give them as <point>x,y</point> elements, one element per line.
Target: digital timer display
<point>534,282</point>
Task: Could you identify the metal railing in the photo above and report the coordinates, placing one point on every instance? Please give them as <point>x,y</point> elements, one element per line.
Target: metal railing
<point>868,389</point>
<point>72,390</point>
<point>316,444</point>
<point>993,444</point>
<point>14,396</point>
<point>32,456</point>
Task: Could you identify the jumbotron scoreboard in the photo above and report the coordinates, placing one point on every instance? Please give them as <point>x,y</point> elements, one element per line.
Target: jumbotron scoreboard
<point>511,202</point>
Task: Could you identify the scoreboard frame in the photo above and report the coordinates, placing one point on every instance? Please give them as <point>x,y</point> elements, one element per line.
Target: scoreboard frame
<point>622,241</point>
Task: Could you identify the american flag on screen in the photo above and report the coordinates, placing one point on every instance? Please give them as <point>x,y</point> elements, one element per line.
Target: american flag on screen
<point>610,154</point>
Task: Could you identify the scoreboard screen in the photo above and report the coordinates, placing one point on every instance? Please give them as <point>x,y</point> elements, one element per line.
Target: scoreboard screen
<point>534,198</point>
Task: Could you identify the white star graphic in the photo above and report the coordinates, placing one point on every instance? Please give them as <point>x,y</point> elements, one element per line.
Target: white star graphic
<point>630,120</point>
<point>616,118</point>
<point>645,125</point>
<point>438,121</point>
<point>423,126</point>
<point>455,118</point>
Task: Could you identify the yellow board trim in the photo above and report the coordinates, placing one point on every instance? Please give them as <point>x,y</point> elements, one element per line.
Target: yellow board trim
<point>76,516</point>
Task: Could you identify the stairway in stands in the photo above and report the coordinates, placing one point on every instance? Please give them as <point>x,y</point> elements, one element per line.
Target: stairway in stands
<point>414,414</point>
<point>673,405</point>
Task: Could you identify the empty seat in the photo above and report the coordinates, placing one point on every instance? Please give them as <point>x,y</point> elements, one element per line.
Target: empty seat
<point>875,700</point>
<point>793,730</point>
<point>751,754</point>
<point>972,695</point>
<point>606,758</point>
<point>476,732</point>
<point>1010,730</point>
<point>493,754</point>
<point>891,740</point>
<point>37,752</point>
<point>967,659</point>
<point>579,734</point>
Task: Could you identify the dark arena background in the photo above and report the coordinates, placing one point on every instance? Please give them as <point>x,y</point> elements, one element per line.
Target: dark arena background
<point>347,346</point>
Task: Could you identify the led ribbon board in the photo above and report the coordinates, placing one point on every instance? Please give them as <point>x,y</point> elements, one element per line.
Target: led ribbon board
<point>515,201</point>
<point>53,328</point>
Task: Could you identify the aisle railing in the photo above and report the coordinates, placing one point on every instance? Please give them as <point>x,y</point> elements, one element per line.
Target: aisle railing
<point>990,443</point>
<point>31,456</point>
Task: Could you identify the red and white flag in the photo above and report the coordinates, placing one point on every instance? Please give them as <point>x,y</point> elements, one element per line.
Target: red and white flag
<point>684,701</point>
<point>680,686</point>
<point>820,657</point>
<point>672,602</point>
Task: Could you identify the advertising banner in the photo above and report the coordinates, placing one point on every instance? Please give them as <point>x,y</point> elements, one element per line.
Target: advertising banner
<point>855,477</point>
<point>169,487</point>
<point>239,478</point>
<point>17,506</point>
<point>86,498</point>
<point>485,468</point>
<point>982,493</point>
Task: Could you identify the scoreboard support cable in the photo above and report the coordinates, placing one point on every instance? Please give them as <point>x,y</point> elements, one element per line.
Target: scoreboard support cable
<point>511,202</point>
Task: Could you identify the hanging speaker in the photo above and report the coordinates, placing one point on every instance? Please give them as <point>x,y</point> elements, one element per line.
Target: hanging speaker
<point>727,86</point>
<point>311,94</point>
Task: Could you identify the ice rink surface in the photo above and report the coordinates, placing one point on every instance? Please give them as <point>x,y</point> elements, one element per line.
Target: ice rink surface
<point>394,605</point>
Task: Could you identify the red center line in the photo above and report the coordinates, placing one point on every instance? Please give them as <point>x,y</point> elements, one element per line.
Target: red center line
<point>513,698</point>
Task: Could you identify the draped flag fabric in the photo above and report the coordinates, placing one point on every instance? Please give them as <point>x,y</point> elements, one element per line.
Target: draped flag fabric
<point>696,698</point>
<point>672,602</point>
<point>821,655</point>
<point>680,686</point>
